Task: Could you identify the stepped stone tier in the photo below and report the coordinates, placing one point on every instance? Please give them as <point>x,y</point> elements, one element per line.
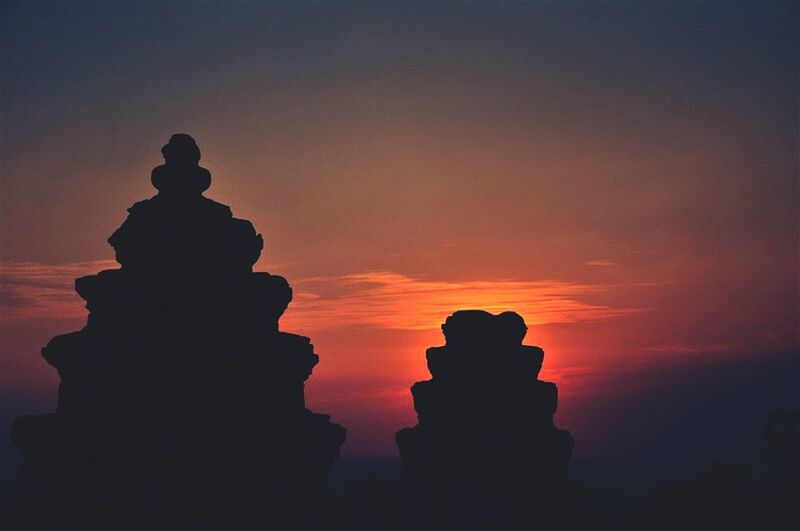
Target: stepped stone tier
<point>181,404</point>
<point>485,445</point>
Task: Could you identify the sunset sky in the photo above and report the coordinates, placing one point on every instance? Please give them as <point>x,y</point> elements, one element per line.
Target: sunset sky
<point>624,175</point>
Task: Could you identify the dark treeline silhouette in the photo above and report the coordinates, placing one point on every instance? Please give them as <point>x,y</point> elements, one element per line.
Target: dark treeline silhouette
<point>728,495</point>
<point>181,404</point>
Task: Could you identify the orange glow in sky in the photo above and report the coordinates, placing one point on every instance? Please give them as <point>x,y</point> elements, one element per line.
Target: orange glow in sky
<point>625,180</point>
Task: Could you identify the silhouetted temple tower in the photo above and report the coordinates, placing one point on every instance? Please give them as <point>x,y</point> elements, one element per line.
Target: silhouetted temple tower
<point>485,447</point>
<point>181,404</point>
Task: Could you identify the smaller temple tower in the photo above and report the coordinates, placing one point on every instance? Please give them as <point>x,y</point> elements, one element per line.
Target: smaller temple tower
<point>485,448</point>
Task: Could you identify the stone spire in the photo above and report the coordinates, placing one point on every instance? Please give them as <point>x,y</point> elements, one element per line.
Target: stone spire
<point>181,404</point>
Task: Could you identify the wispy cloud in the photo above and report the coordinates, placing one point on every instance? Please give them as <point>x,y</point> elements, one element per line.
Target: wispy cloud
<point>774,339</point>
<point>694,348</point>
<point>381,299</point>
<point>600,263</point>
<point>31,290</point>
<point>390,300</point>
